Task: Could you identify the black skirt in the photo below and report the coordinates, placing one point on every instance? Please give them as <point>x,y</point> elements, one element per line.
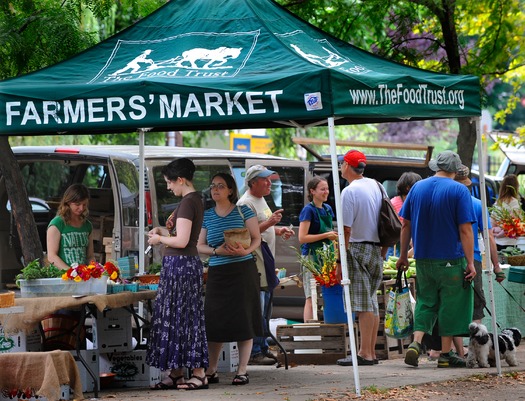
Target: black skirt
<point>232,306</point>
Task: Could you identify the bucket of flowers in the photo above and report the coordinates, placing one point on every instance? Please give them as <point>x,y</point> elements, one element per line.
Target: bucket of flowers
<point>324,266</point>
<point>512,222</point>
<point>324,270</point>
<point>92,277</point>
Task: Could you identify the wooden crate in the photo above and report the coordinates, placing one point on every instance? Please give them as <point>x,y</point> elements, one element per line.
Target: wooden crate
<point>313,343</point>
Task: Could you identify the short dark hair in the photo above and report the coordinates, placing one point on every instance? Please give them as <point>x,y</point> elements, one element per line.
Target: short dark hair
<point>406,181</point>
<point>182,167</point>
<point>231,184</point>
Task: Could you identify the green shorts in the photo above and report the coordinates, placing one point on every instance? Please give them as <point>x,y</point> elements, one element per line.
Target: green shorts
<point>442,294</point>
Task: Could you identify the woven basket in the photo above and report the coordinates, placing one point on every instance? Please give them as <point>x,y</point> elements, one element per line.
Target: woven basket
<point>7,299</point>
<point>516,260</point>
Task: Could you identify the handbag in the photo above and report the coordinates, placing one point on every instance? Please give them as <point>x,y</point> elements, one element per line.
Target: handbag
<point>389,225</point>
<point>399,314</point>
<point>263,256</point>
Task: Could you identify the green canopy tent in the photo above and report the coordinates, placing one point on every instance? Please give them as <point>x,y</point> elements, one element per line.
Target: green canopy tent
<point>225,64</point>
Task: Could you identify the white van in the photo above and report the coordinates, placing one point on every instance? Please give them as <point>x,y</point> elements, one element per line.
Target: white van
<point>111,174</point>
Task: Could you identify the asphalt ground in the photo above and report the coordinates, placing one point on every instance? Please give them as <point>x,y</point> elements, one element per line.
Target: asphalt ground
<point>312,382</point>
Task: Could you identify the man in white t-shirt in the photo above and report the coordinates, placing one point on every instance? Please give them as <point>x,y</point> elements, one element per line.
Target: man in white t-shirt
<point>259,185</point>
<point>360,203</point>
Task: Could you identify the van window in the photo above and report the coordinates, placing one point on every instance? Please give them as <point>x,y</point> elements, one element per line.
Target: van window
<point>128,182</point>
<point>167,202</point>
<point>46,180</point>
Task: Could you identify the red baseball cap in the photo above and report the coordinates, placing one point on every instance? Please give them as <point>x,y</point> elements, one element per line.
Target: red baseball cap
<point>354,158</point>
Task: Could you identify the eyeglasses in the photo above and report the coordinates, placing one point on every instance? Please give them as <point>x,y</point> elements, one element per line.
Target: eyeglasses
<point>341,163</point>
<point>218,186</point>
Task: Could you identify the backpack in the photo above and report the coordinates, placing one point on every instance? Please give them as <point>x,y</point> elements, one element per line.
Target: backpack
<point>389,225</point>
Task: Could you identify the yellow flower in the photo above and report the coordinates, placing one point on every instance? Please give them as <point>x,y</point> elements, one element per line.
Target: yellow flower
<point>65,277</point>
<point>78,279</point>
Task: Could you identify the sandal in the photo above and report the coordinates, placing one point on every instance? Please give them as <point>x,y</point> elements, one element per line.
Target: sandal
<point>213,378</point>
<point>192,386</point>
<point>164,386</point>
<point>500,276</point>
<point>241,380</point>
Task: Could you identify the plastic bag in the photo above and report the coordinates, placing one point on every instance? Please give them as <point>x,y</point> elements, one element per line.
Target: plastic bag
<point>399,315</point>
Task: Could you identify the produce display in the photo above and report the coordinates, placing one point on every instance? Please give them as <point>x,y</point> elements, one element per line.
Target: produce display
<point>511,251</point>
<point>389,267</point>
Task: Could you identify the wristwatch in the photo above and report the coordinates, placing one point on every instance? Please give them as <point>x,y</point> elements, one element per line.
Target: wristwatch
<point>214,252</point>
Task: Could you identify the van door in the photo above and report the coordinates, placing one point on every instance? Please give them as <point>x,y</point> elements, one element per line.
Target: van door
<point>289,193</point>
<point>123,225</point>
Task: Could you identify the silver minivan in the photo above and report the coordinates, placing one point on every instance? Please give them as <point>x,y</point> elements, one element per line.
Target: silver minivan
<point>111,173</point>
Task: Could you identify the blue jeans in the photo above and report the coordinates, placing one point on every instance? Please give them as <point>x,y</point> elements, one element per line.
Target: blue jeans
<point>259,343</point>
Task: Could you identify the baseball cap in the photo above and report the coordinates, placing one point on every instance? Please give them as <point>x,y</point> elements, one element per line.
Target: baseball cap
<point>256,171</point>
<point>446,161</point>
<point>462,175</point>
<point>353,158</point>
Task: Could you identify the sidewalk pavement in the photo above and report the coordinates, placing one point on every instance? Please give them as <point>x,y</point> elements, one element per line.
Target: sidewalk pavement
<point>310,382</point>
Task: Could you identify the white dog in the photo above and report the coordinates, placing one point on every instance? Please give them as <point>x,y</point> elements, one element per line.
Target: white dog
<point>481,346</point>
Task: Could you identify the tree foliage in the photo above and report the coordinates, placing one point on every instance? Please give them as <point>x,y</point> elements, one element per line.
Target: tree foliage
<point>483,38</point>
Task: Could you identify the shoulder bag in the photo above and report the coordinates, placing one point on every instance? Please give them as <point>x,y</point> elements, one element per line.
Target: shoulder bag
<point>389,225</point>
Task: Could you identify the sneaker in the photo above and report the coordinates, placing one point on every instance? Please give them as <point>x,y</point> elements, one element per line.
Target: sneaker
<point>260,359</point>
<point>412,354</point>
<point>451,360</point>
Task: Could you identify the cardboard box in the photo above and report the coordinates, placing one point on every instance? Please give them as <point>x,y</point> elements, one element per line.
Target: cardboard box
<point>229,358</point>
<point>130,368</point>
<point>92,359</point>
<point>20,342</point>
<point>112,331</point>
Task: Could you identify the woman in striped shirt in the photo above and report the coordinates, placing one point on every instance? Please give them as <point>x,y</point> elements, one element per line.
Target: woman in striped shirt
<point>232,306</point>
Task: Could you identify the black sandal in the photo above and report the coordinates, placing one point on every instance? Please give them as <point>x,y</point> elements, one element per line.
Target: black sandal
<point>192,386</point>
<point>213,378</point>
<point>241,380</point>
<point>172,386</point>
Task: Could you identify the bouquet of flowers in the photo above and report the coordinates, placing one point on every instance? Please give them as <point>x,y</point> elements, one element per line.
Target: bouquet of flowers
<point>78,272</point>
<point>324,269</point>
<point>512,222</point>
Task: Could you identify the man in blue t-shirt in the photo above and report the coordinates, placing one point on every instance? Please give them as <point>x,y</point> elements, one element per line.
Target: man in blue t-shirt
<point>438,215</point>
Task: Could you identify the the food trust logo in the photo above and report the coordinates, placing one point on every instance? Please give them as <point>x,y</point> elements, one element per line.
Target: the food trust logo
<point>192,55</point>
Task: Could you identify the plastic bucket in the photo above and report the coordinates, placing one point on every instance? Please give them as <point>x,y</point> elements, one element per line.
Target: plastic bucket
<point>333,310</point>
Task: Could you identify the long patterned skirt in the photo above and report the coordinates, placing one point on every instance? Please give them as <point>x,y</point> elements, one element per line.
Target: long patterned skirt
<point>178,334</point>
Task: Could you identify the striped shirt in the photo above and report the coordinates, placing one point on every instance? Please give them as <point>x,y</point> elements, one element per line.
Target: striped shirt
<point>215,226</point>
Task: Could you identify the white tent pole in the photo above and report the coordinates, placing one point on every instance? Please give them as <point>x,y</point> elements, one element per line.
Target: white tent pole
<point>342,252</point>
<point>488,263</point>
<point>142,203</point>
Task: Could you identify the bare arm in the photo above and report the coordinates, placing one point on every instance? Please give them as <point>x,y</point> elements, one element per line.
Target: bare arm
<point>467,242</point>
<point>406,235</point>
<point>305,238</point>
<point>53,247</point>
<point>180,240</point>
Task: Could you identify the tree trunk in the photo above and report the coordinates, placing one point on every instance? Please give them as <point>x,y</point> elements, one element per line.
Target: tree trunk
<point>466,141</point>
<point>20,206</point>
